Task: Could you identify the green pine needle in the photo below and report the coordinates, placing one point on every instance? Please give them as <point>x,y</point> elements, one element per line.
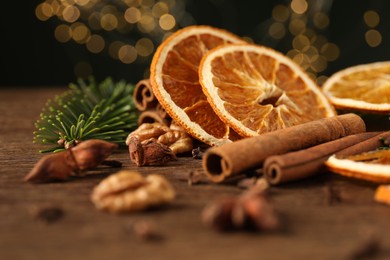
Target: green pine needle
<point>87,111</point>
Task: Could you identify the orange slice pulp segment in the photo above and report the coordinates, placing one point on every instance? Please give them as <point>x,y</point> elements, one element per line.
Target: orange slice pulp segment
<point>175,82</point>
<point>255,89</point>
<point>363,87</point>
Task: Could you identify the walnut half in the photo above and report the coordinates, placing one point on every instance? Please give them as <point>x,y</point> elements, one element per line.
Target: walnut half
<point>175,138</point>
<point>128,191</point>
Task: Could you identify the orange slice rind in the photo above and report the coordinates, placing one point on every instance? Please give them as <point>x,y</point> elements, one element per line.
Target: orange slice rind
<point>363,87</point>
<point>175,82</point>
<point>365,170</point>
<point>255,89</point>
<point>382,194</point>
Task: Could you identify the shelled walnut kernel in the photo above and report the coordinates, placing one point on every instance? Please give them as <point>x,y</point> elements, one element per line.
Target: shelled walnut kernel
<point>128,191</point>
<point>175,138</point>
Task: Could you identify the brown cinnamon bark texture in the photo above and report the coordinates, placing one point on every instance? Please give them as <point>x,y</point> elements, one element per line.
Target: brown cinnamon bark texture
<point>151,116</point>
<point>308,162</point>
<point>228,160</point>
<point>365,146</point>
<point>143,95</point>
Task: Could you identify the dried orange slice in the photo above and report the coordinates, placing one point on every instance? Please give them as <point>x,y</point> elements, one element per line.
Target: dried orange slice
<point>363,87</point>
<point>372,166</point>
<point>175,82</point>
<point>382,194</point>
<point>255,89</point>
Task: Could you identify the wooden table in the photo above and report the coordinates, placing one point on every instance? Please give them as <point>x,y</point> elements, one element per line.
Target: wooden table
<point>326,217</point>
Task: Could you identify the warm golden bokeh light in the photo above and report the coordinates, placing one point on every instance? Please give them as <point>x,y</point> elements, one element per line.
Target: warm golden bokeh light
<point>147,23</point>
<point>331,51</point>
<point>297,26</point>
<point>321,20</point>
<point>71,13</point>
<point>95,43</point>
<point>109,22</point>
<point>97,23</point>
<point>277,30</point>
<point>167,22</point>
<point>301,21</point>
<point>82,2</point>
<point>144,47</point>
<point>280,13</point>
<point>63,33</point>
<point>44,11</point>
<point>132,15</point>
<point>371,18</point>
<point>373,38</point>
<point>113,49</point>
<point>301,42</point>
<point>127,54</point>
<point>299,6</point>
<point>80,33</point>
<point>130,30</point>
<point>159,9</point>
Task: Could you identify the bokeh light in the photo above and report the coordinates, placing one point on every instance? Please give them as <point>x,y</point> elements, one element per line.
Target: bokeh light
<point>95,43</point>
<point>371,18</point>
<point>129,31</point>
<point>126,30</point>
<point>302,22</point>
<point>373,38</point>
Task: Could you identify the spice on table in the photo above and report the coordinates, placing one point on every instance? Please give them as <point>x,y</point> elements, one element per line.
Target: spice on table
<point>251,210</point>
<point>192,177</point>
<point>129,191</point>
<point>60,166</point>
<point>228,160</point>
<point>218,213</point>
<point>49,214</point>
<point>146,230</point>
<point>331,195</point>
<point>308,162</point>
<point>149,152</point>
<point>197,153</point>
<point>368,247</point>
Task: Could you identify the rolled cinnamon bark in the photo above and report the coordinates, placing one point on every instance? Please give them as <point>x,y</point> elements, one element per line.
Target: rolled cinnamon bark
<point>161,111</point>
<point>151,116</point>
<point>228,160</point>
<point>308,162</point>
<point>143,95</point>
<point>365,146</point>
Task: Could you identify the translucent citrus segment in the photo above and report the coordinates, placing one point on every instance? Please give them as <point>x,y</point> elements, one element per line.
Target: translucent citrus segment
<point>255,89</point>
<point>364,87</point>
<point>175,82</point>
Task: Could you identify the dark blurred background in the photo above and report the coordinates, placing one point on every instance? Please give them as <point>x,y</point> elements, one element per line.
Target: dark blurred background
<point>53,42</point>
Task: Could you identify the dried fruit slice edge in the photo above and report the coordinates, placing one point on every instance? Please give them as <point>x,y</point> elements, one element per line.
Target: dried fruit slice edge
<point>349,102</point>
<point>219,105</point>
<point>379,173</point>
<point>180,115</point>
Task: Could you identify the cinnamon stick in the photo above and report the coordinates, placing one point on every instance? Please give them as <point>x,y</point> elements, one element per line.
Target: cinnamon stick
<point>365,146</point>
<point>308,162</point>
<point>228,160</point>
<point>151,116</point>
<point>143,95</point>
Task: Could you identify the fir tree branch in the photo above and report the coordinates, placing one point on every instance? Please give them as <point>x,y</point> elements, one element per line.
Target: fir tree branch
<point>87,110</point>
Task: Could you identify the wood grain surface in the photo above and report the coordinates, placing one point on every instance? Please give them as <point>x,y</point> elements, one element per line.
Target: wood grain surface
<point>326,217</point>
